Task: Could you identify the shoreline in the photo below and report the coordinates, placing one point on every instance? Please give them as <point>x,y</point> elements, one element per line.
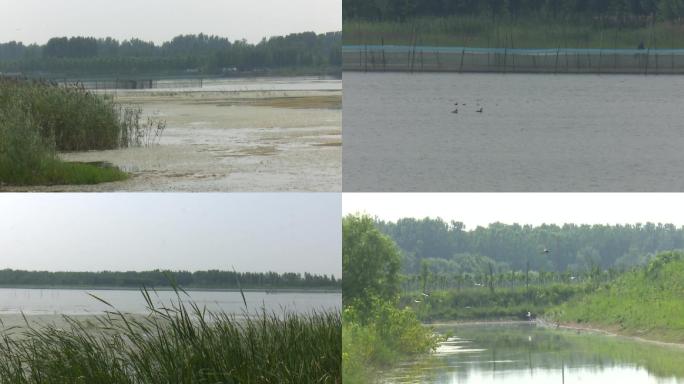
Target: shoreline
<point>592,328</point>
<point>454,59</point>
<point>166,289</point>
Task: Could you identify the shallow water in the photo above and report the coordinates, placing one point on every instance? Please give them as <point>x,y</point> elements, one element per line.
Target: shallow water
<point>78,302</point>
<point>535,133</point>
<point>491,354</point>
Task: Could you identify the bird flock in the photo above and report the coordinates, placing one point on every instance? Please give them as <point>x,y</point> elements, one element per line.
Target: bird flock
<point>479,110</point>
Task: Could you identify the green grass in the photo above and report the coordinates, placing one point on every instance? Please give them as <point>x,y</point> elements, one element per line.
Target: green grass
<point>177,343</point>
<point>55,172</point>
<point>478,31</point>
<point>645,302</point>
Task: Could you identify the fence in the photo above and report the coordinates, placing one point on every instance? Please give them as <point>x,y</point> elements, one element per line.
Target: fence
<point>465,59</point>
<point>113,84</point>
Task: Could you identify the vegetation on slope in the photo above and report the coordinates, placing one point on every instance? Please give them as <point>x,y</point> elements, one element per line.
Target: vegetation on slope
<point>644,302</point>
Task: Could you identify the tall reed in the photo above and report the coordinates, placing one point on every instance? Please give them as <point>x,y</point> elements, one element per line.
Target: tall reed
<point>177,343</point>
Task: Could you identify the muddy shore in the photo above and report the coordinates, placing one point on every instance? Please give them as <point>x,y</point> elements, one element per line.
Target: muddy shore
<point>253,140</point>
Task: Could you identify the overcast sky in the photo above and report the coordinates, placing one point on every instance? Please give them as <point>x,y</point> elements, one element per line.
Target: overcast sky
<point>35,21</point>
<point>282,232</point>
<point>481,209</point>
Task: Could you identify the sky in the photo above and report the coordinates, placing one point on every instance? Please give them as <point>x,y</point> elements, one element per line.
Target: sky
<point>36,21</point>
<point>481,209</point>
<point>281,232</point>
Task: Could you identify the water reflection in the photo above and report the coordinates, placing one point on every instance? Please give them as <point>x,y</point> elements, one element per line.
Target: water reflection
<point>530,354</point>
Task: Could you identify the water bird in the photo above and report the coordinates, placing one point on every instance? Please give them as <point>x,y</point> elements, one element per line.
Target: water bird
<point>417,301</point>
<point>479,110</point>
<point>455,111</point>
<point>546,251</point>
<point>529,315</point>
<point>425,294</point>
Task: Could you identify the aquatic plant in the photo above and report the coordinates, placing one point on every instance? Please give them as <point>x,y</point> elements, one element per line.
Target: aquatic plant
<point>40,118</point>
<point>176,343</point>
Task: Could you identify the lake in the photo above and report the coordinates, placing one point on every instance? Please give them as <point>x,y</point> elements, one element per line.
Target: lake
<point>536,132</point>
<point>78,302</point>
<point>526,353</point>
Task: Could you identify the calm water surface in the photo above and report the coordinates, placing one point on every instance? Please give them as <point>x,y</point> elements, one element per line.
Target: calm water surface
<point>78,302</point>
<point>528,354</point>
<point>535,133</point>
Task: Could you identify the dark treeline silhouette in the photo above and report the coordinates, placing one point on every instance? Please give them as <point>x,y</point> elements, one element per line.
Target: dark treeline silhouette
<point>200,279</point>
<point>185,53</point>
<point>618,11</point>
<point>448,247</point>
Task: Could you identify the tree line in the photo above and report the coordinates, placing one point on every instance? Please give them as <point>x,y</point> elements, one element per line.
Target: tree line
<point>448,247</point>
<point>614,11</point>
<point>215,279</point>
<point>201,53</point>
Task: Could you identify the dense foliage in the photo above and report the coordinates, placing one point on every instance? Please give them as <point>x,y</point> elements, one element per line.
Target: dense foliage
<point>370,263</point>
<point>615,11</point>
<point>176,343</point>
<point>375,331</point>
<point>158,278</point>
<point>451,248</point>
<point>183,54</point>
<point>40,118</point>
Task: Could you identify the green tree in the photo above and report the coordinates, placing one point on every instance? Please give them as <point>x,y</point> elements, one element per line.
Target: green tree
<point>370,261</point>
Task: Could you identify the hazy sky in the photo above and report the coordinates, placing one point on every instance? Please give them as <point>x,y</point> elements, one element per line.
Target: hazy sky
<point>475,209</point>
<point>282,232</point>
<point>159,20</point>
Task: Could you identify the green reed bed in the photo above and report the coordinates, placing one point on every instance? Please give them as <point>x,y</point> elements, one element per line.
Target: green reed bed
<point>38,119</point>
<point>178,343</point>
<point>522,32</point>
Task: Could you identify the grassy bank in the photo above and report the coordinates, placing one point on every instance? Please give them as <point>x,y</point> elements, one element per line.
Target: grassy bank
<point>176,344</point>
<point>38,119</point>
<point>646,302</point>
<point>531,32</point>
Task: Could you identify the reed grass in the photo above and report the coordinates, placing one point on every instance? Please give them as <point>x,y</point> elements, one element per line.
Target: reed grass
<point>39,118</point>
<point>177,343</point>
